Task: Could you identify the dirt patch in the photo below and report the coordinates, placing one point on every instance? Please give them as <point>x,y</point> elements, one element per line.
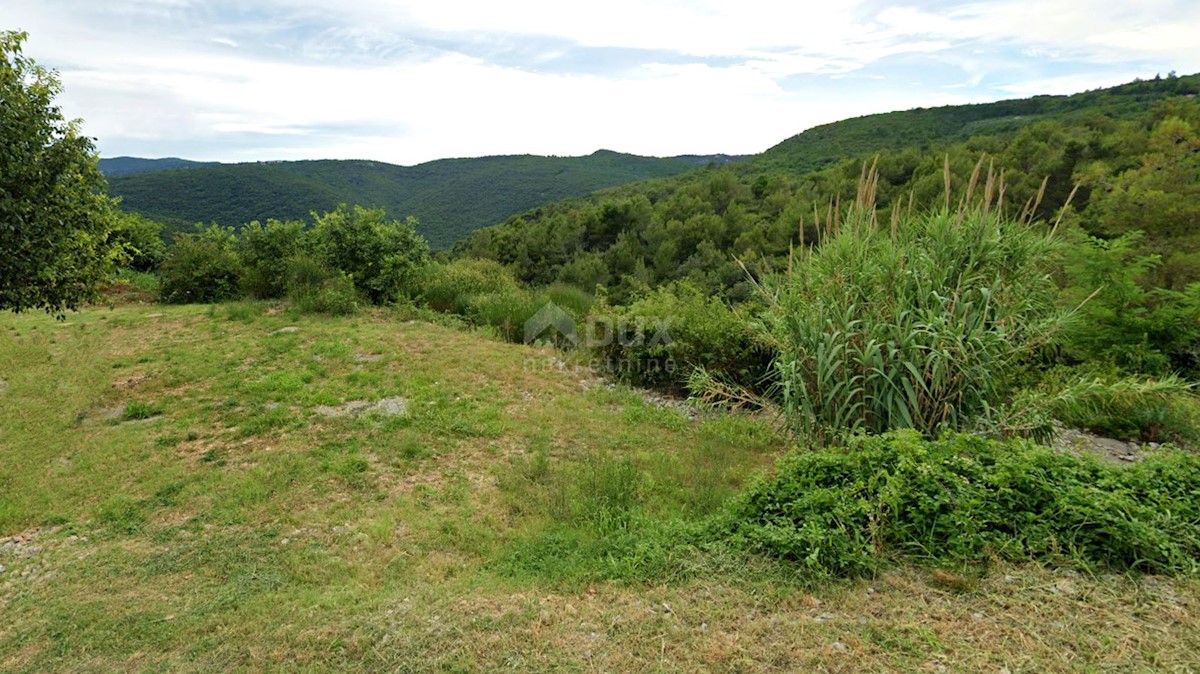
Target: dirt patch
<point>390,407</point>
<point>1083,442</point>
<point>131,382</point>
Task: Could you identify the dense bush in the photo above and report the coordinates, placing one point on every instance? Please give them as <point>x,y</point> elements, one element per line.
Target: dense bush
<point>266,253</point>
<point>384,257</point>
<point>449,287</point>
<point>140,240</point>
<point>849,510</point>
<point>918,327</point>
<point>201,267</point>
<point>1123,320</point>
<point>662,337</point>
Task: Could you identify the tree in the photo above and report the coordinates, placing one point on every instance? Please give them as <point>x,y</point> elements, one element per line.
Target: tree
<point>54,215</point>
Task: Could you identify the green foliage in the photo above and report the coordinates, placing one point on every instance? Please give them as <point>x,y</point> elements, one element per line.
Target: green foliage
<point>201,267</point>
<point>1115,406</point>
<point>506,311</point>
<point>54,217</point>
<point>852,510</point>
<point>449,287</point>
<point>336,296</point>
<point>449,197</point>
<point>140,241</point>
<point>1122,321</point>
<point>670,331</point>
<point>267,253</point>
<point>920,327</point>
<point>383,257</point>
<point>693,226</point>
<point>138,410</point>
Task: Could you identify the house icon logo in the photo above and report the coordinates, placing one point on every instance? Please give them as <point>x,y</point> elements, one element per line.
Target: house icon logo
<point>554,320</point>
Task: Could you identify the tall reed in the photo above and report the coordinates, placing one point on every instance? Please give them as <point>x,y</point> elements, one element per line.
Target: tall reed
<point>919,323</point>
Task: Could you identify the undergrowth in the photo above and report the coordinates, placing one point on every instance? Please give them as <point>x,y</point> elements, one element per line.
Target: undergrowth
<point>851,510</point>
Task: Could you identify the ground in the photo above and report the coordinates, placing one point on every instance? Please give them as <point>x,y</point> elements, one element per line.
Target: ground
<point>242,488</point>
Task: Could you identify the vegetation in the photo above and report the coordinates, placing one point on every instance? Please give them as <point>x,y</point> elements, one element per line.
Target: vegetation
<point>54,217</point>
<point>966,499</point>
<point>236,526</point>
<point>449,197</point>
<point>348,468</point>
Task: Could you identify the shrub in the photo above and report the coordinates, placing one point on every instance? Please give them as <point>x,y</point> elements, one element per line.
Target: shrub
<point>507,311</point>
<point>312,288</point>
<point>667,333</point>
<point>201,267</point>
<point>1125,322</point>
<point>140,240</point>
<point>267,253</point>
<point>337,297</point>
<point>383,257</point>
<point>449,287</point>
<point>918,327</point>
<point>849,510</point>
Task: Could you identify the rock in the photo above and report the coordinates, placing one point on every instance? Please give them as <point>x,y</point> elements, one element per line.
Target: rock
<point>3,568</point>
<point>154,315</point>
<point>392,407</point>
<point>286,331</point>
<point>838,646</point>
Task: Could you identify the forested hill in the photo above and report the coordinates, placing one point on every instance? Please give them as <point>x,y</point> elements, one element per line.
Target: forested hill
<point>112,167</point>
<point>1134,150</point>
<point>449,197</point>
<point>922,128</point>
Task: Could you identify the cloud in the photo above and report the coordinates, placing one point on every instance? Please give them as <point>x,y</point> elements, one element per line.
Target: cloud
<point>411,80</point>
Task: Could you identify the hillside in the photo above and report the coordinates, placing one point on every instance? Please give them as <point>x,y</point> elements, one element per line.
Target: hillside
<point>1127,148</point>
<point>184,490</point>
<point>450,197</point>
<point>123,166</point>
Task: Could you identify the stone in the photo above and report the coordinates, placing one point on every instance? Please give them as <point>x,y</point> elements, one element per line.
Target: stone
<point>286,331</point>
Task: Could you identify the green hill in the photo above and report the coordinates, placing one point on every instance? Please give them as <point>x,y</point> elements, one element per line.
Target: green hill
<point>1120,145</point>
<point>450,197</point>
<point>124,166</point>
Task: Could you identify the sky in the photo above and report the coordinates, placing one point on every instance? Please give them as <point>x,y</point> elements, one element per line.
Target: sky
<point>407,81</point>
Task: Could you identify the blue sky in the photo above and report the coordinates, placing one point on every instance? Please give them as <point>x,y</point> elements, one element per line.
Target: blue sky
<point>407,81</point>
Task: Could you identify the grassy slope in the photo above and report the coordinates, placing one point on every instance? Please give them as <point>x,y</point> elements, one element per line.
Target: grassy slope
<point>242,530</point>
<point>450,197</point>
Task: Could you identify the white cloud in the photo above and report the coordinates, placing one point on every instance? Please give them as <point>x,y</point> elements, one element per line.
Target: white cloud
<point>409,81</point>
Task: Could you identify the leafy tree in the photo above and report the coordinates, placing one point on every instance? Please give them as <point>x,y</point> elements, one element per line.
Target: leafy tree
<point>54,215</point>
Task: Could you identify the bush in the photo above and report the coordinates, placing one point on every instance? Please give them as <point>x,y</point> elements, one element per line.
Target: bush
<point>669,332</point>
<point>1123,321</point>
<point>507,311</point>
<point>312,288</point>
<point>383,257</point>
<point>1115,406</point>
<point>140,240</point>
<point>850,510</point>
<point>201,267</point>
<point>921,327</point>
<point>449,287</point>
<point>267,253</point>
<point>337,297</point>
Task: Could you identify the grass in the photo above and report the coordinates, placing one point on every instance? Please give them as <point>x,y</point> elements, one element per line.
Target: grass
<point>510,521</point>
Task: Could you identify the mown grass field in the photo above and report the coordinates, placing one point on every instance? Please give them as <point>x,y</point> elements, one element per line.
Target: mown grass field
<point>173,499</point>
